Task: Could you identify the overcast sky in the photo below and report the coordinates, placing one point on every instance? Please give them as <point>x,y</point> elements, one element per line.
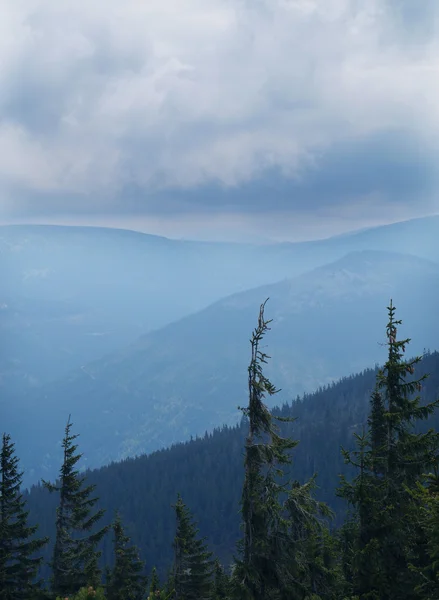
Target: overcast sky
<point>286,119</point>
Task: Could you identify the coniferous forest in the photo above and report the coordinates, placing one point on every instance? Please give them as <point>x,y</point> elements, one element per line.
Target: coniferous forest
<point>334,497</point>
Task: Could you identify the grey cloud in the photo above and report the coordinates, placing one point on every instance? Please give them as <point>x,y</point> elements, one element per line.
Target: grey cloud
<point>394,164</point>
<point>23,104</point>
<point>308,104</point>
<point>393,167</point>
<point>42,89</point>
<point>415,20</point>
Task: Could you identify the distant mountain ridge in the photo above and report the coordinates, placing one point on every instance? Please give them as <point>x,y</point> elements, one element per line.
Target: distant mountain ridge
<point>190,375</point>
<point>110,286</point>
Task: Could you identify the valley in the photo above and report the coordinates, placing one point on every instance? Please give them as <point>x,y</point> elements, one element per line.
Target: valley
<point>131,393</point>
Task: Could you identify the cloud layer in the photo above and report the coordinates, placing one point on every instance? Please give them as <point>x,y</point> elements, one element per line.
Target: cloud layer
<point>178,105</point>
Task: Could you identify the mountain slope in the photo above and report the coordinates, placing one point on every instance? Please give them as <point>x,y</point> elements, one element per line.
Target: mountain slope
<point>191,375</point>
<point>69,295</point>
<point>208,472</point>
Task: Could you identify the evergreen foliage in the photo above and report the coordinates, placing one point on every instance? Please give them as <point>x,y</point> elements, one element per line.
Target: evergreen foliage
<point>75,555</point>
<point>221,582</point>
<point>156,591</point>
<point>193,565</point>
<point>263,548</point>
<point>427,573</point>
<point>387,548</point>
<point>155,581</point>
<point>126,579</point>
<point>390,459</point>
<point>314,566</point>
<point>209,474</point>
<point>280,520</point>
<point>19,561</point>
<point>87,593</point>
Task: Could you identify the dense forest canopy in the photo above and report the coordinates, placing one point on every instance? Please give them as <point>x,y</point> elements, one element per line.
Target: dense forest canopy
<point>328,537</point>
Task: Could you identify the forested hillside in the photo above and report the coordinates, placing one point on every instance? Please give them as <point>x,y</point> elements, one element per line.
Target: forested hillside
<point>208,471</point>
<point>190,376</point>
<point>267,532</point>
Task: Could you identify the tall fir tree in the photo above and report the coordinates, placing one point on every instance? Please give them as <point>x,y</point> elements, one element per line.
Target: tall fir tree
<point>315,569</point>
<point>221,582</point>
<point>390,461</point>
<point>154,586</point>
<point>126,579</point>
<point>261,567</point>
<point>19,562</point>
<point>158,591</point>
<point>75,555</point>
<point>193,564</point>
<point>427,571</point>
<point>278,518</point>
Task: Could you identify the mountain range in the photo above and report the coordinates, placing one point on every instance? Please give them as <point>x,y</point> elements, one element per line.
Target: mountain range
<point>69,295</point>
<point>190,376</point>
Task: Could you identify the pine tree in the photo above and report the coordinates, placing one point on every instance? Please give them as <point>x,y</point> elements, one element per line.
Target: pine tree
<point>263,556</point>
<point>18,545</point>
<point>87,593</point>
<point>427,571</point>
<point>315,568</point>
<point>378,433</point>
<point>126,579</point>
<point>390,462</point>
<point>278,518</point>
<point>221,582</point>
<point>75,555</point>
<point>193,565</point>
<point>359,561</point>
<point>155,581</point>
<point>158,591</point>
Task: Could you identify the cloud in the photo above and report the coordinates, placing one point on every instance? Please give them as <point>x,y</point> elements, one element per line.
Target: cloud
<point>192,105</point>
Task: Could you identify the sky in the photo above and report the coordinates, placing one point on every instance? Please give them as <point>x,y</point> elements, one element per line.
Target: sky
<point>219,119</point>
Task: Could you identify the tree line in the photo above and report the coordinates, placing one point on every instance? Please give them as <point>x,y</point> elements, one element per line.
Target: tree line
<point>387,548</point>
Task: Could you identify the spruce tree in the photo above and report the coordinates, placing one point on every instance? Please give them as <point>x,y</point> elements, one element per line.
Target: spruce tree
<point>193,565</point>
<point>390,461</point>
<point>18,545</point>
<point>426,571</point>
<point>154,586</point>
<point>126,579</point>
<point>75,555</point>
<point>221,582</point>
<point>315,570</point>
<point>278,518</point>
<point>263,557</point>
